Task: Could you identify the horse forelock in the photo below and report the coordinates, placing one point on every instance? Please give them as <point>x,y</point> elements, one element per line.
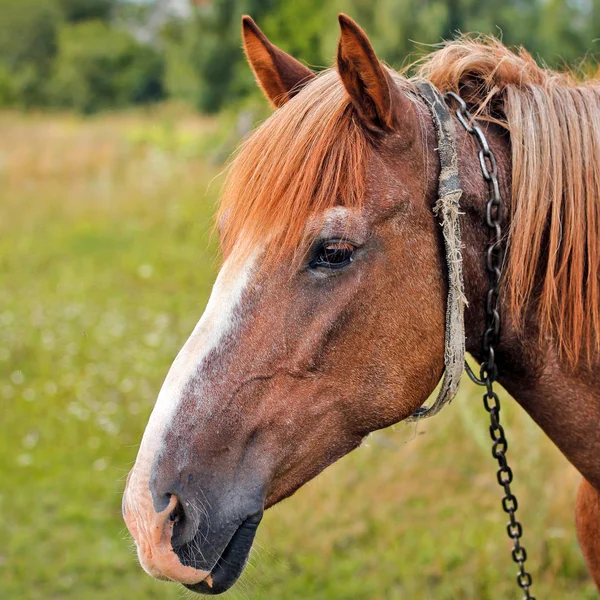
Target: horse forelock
<point>308,157</point>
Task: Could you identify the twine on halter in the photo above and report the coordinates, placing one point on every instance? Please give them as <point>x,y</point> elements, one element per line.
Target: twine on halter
<point>448,211</point>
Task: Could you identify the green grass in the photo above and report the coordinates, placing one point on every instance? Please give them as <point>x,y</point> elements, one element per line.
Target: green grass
<point>106,262</point>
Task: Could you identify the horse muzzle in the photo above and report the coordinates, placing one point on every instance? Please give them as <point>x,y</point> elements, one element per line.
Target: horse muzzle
<point>188,534</point>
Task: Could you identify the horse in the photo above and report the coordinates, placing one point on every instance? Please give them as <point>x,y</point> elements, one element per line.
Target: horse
<point>327,319</point>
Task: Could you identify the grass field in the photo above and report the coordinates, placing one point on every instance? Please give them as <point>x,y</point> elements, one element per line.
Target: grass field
<point>106,262</point>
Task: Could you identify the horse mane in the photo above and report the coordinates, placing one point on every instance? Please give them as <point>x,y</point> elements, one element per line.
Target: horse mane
<point>554,239</point>
<point>312,154</point>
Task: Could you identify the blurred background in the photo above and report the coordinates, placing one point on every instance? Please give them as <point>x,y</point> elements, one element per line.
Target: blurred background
<point>116,118</point>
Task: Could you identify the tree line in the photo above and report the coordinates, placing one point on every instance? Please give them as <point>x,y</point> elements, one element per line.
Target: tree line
<point>90,55</point>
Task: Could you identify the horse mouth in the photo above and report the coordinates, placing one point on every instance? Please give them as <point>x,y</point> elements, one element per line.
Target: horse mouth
<point>232,561</point>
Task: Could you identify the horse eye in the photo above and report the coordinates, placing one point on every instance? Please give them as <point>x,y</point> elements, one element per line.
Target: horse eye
<point>333,255</point>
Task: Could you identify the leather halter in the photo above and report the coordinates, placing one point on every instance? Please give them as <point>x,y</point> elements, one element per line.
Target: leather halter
<point>447,210</point>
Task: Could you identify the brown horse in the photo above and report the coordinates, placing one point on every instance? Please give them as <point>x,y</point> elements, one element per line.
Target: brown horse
<point>326,321</point>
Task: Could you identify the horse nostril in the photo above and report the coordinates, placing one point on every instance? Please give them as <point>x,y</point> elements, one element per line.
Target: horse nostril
<point>183,523</point>
<point>177,514</point>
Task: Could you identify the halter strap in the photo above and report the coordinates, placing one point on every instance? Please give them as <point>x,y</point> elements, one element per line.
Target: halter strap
<point>447,210</point>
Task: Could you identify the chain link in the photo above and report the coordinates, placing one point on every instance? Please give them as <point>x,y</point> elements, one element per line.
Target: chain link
<point>489,369</point>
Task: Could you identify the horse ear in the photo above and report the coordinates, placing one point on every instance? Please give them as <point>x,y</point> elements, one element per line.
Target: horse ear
<point>374,94</point>
<point>279,75</point>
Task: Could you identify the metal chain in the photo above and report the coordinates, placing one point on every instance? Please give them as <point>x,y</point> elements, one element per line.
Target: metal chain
<point>491,337</point>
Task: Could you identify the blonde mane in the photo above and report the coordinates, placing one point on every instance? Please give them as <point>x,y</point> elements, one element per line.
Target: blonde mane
<point>554,125</point>
<point>311,155</point>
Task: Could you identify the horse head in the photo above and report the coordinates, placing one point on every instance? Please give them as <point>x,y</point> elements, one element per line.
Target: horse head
<point>325,323</point>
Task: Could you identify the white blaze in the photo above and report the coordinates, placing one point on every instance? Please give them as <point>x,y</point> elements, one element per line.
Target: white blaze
<point>218,320</point>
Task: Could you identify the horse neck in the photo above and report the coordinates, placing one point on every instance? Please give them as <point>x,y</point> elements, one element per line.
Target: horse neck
<point>564,402</point>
